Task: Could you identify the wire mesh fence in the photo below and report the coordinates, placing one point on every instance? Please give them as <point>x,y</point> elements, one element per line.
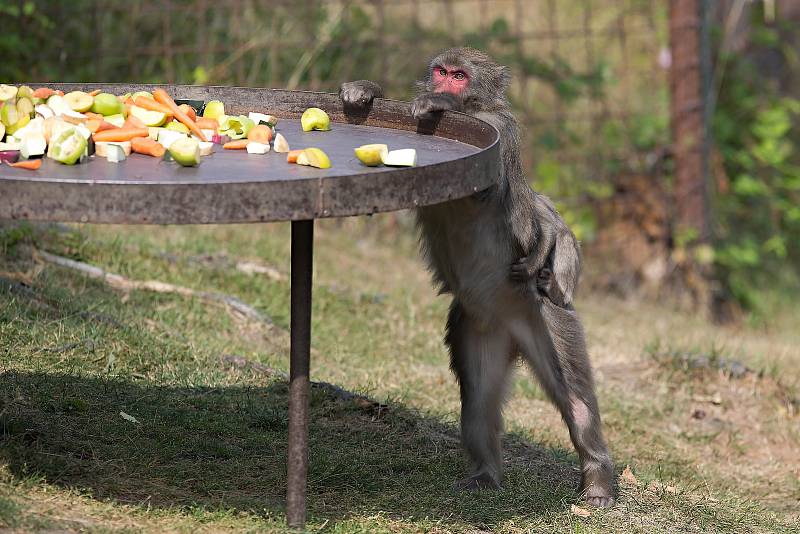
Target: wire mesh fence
<point>590,76</point>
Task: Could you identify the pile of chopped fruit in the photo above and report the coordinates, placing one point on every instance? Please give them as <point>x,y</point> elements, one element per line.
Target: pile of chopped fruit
<point>71,128</point>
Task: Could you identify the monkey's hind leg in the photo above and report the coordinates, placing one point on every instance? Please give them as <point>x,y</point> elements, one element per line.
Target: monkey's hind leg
<point>481,358</point>
<point>555,347</point>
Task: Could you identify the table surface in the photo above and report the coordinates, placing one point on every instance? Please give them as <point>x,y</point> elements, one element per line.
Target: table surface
<point>457,156</point>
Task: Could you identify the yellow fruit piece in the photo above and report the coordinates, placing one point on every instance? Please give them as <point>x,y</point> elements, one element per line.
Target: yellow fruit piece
<point>21,122</point>
<point>79,101</point>
<point>371,155</point>
<point>314,157</point>
<point>315,119</point>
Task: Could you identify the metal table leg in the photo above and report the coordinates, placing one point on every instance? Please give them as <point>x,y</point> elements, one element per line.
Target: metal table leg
<point>297,461</point>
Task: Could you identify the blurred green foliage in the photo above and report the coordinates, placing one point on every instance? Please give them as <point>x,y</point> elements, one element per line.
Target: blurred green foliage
<point>757,203</point>
<point>756,214</point>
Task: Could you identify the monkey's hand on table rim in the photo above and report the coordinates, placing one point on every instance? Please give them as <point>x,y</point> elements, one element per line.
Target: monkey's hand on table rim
<point>427,104</point>
<point>359,93</point>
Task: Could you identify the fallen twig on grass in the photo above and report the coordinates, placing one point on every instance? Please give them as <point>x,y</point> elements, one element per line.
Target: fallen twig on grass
<point>125,284</point>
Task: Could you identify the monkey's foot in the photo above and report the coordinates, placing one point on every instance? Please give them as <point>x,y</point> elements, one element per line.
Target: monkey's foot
<point>480,481</point>
<point>597,487</point>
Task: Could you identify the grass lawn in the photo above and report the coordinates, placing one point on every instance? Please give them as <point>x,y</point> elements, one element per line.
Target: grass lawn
<point>134,410</point>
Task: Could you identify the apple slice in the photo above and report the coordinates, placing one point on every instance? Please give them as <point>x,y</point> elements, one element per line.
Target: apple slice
<point>79,101</point>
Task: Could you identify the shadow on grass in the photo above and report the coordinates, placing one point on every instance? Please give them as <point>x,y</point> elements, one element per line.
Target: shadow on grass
<point>226,448</point>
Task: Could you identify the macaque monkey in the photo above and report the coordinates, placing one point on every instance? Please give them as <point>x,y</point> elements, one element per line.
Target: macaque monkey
<point>511,265</point>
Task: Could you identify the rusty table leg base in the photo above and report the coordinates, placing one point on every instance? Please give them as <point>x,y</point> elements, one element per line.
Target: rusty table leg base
<point>297,459</point>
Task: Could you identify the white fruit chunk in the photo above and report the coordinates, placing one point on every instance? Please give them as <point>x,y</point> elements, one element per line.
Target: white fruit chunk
<point>32,144</point>
<point>257,148</point>
<point>406,157</point>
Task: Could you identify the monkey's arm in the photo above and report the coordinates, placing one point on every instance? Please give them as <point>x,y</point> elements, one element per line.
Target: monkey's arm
<point>360,93</point>
<point>428,103</point>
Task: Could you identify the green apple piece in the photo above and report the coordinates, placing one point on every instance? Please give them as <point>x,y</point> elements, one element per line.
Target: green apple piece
<point>186,151</point>
<point>2,131</point>
<point>7,92</point>
<point>315,157</point>
<point>22,122</point>
<point>106,104</point>
<point>25,91</point>
<point>117,120</point>
<point>79,101</point>
<point>236,127</point>
<point>8,114</point>
<point>176,126</point>
<point>25,106</point>
<point>68,147</point>
<point>371,155</point>
<point>214,110</point>
<point>280,144</point>
<point>315,119</point>
<point>145,94</point>
<point>406,157</point>
<point>149,118</point>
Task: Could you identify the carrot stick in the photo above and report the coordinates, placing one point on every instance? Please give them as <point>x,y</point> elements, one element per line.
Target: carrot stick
<point>162,97</point>
<point>292,155</point>
<point>189,110</point>
<point>99,125</point>
<point>152,105</point>
<point>133,122</point>
<point>31,164</point>
<point>95,92</point>
<point>147,146</point>
<point>207,123</point>
<point>93,115</point>
<point>239,144</point>
<point>120,134</point>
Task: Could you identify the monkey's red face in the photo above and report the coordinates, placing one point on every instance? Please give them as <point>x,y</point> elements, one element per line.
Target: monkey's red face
<point>446,79</point>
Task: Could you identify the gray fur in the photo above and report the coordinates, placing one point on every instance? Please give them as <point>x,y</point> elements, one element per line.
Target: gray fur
<point>512,266</point>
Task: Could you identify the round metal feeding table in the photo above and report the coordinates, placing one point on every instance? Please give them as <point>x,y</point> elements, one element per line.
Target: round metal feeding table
<point>458,155</point>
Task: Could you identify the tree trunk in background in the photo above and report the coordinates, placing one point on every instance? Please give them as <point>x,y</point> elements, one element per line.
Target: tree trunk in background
<point>691,232</point>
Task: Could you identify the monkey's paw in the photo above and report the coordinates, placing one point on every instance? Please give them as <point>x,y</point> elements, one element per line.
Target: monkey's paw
<point>425,106</point>
<point>522,271</point>
<point>481,481</point>
<point>357,94</point>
